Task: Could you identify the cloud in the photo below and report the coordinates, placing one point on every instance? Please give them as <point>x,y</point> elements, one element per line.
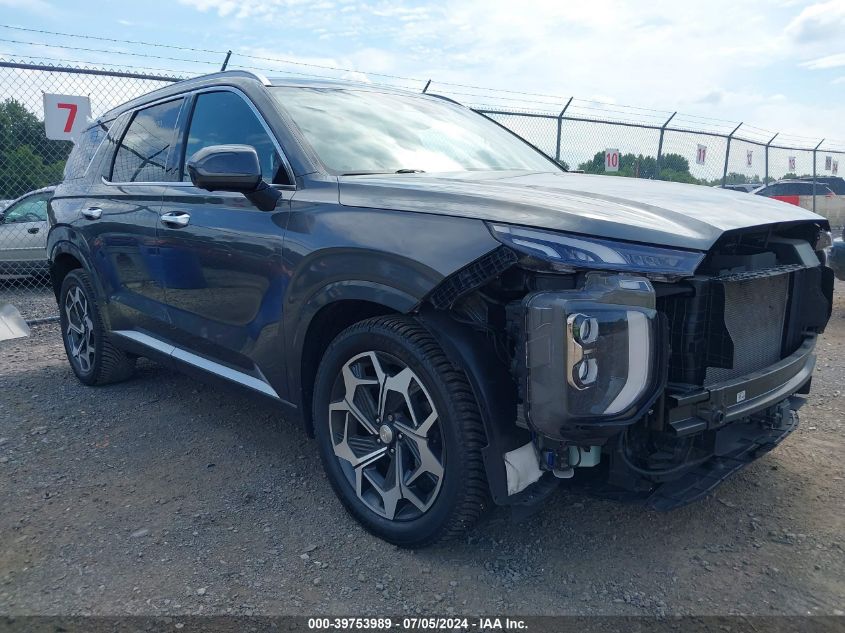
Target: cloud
<point>35,6</point>
<point>828,61</point>
<point>819,22</point>
<point>711,59</point>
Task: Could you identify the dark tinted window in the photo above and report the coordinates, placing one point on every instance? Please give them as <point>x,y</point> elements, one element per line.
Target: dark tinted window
<point>142,155</point>
<point>31,209</point>
<point>223,118</point>
<point>83,151</point>
<point>772,190</point>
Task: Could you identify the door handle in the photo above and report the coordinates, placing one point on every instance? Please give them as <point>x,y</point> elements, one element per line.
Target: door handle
<point>32,229</point>
<point>93,213</point>
<point>176,219</point>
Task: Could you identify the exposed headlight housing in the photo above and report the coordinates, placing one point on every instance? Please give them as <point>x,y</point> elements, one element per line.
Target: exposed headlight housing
<point>568,252</point>
<point>592,355</point>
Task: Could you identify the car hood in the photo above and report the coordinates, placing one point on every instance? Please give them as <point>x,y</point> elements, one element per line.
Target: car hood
<point>648,211</point>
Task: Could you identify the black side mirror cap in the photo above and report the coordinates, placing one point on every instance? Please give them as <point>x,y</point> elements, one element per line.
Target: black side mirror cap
<point>225,168</point>
<point>232,168</point>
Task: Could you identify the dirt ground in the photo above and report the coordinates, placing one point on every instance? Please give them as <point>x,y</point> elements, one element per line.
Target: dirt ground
<point>166,496</point>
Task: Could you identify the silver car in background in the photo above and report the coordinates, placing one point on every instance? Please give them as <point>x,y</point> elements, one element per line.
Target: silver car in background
<point>23,235</point>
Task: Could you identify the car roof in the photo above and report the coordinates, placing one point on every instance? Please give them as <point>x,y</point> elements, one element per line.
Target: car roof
<point>234,77</point>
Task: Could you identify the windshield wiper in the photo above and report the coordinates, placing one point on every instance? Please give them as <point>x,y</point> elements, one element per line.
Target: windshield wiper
<point>372,173</point>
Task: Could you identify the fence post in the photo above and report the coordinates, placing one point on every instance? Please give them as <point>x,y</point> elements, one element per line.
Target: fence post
<point>559,129</point>
<point>660,146</point>
<point>766,177</point>
<point>815,149</point>
<point>728,155</point>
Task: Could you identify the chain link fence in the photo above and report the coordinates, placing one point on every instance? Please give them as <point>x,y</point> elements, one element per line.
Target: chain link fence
<point>31,165</point>
<point>650,145</point>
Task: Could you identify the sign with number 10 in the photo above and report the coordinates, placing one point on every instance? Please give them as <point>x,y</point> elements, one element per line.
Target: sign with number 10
<point>65,116</point>
<point>611,160</point>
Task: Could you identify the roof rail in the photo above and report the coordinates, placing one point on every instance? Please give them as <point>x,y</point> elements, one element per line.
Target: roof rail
<point>181,86</point>
<point>248,74</point>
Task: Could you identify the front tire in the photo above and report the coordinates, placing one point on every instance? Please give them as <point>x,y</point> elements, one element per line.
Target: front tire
<point>92,356</point>
<point>399,432</point>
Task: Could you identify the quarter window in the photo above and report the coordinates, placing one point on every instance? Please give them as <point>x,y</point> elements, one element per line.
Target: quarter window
<point>142,154</point>
<point>83,151</point>
<point>223,118</point>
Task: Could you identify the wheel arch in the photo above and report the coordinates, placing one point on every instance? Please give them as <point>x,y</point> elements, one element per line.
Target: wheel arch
<point>494,388</point>
<point>66,256</point>
<point>330,311</point>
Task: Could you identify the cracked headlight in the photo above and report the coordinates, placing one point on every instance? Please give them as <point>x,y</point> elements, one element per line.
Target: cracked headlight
<point>591,354</point>
<point>562,251</point>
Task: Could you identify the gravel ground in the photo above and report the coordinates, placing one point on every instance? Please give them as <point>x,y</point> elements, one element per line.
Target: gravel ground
<point>34,299</point>
<point>165,496</point>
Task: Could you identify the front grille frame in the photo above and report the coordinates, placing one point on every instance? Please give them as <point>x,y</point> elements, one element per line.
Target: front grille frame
<point>702,348</point>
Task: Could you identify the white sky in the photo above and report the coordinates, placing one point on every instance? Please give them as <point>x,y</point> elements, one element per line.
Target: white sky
<point>777,65</point>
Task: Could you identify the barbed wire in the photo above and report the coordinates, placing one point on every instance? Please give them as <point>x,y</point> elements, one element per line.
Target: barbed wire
<point>527,100</point>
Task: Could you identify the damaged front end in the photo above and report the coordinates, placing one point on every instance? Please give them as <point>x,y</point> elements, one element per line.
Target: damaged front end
<point>637,371</point>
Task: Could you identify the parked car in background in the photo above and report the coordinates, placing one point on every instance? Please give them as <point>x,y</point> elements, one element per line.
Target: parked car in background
<point>745,187</point>
<point>23,235</point>
<point>835,183</point>
<point>819,197</point>
<point>836,258</point>
<point>4,204</point>
<point>453,316</point>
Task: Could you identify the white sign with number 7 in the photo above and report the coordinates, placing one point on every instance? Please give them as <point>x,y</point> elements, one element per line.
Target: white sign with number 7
<point>65,116</point>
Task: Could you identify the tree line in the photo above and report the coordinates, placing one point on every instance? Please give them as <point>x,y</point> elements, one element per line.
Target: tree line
<point>673,167</point>
<point>28,159</point>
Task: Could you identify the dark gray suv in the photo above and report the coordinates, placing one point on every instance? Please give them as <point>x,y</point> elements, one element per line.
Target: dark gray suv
<point>450,314</point>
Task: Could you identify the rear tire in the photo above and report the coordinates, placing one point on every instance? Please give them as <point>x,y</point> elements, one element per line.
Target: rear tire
<point>92,356</point>
<point>405,456</point>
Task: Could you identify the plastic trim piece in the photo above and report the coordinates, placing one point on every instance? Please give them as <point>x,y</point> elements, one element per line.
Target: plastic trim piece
<point>199,362</point>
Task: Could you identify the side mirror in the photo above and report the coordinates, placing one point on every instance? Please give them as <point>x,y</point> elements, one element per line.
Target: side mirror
<point>225,168</point>
<point>232,168</point>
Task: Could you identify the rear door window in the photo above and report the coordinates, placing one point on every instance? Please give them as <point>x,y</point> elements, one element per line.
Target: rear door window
<point>224,118</point>
<point>144,149</point>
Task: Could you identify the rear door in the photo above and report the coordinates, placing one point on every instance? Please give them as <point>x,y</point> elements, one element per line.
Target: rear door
<point>222,257</point>
<point>23,235</point>
<point>120,217</point>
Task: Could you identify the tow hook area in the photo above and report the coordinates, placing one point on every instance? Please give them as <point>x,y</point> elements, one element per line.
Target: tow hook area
<point>528,463</point>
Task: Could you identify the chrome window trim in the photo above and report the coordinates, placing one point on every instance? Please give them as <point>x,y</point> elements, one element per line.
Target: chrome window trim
<point>210,366</point>
<point>177,183</point>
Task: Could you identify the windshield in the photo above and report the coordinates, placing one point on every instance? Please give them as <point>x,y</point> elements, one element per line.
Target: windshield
<point>364,131</point>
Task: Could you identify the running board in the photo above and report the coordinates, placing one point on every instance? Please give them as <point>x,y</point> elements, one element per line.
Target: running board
<point>210,366</point>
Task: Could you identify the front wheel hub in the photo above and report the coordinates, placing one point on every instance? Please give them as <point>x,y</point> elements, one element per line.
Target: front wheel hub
<point>385,434</point>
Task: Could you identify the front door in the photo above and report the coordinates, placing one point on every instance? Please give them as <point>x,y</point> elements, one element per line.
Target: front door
<point>222,257</point>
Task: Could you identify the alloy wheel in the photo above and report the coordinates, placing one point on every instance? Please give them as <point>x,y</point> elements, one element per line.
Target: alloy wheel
<point>386,434</point>
<point>79,331</point>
